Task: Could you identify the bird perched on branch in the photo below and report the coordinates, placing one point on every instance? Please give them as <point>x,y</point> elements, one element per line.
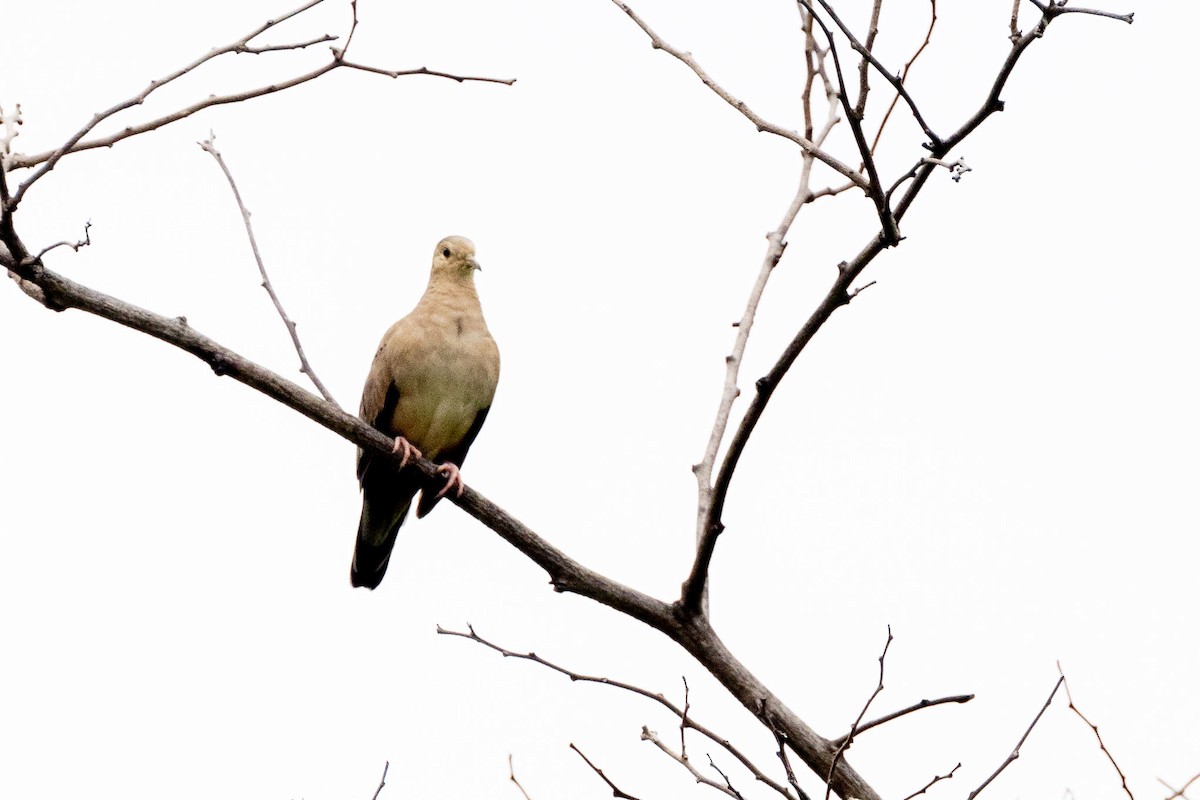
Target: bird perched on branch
<point>430,386</point>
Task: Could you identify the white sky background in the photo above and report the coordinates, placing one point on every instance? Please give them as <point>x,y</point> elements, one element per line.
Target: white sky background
<point>993,449</point>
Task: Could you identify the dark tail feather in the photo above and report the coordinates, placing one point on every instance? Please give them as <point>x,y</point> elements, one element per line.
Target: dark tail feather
<point>377,527</point>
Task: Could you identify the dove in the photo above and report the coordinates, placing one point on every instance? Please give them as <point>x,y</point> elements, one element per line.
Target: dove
<point>430,387</point>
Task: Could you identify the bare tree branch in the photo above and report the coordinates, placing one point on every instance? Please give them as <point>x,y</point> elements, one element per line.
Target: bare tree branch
<point>1016,752</point>
<point>1071,705</point>
<point>904,72</point>
<point>864,83</point>
<point>787,766</point>
<point>936,778</point>
<point>209,147</point>
<point>682,759</point>
<point>616,792</point>
<point>684,717</point>
<point>848,739</point>
<point>382,780</point>
<point>708,514</point>
<point>721,772</point>
<point>891,78</point>
<point>76,143</point>
<point>761,124</point>
<point>1179,792</point>
<point>512,776</point>
<point>839,292</point>
<point>875,191</point>
<point>1056,7</point>
<point>76,245</point>
<point>866,726</point>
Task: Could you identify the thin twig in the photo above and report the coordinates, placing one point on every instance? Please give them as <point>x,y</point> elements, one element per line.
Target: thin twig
<point>382,779</point>
<point>1016,752</point>
<point>904,72</point>
<point>866,726</point>
<point>1179,792</point>
<point>1056,7</point>
<point>721,772</point>
<point>76,143</point>
<point>616,791</point>
<point>682,759</point>
<point>76,245</point>
<point>875,191</point>
<point>48,161</point>
<point>895,81</point>
<point>761,124</point>
<point>683,719</point>
<point>848,739</point>
<point>936,778</point>
<point>1071,705</point>
<point>1014,33</point>
<point>209,147</point>
<point>512,776</point>
<point>787,765</point>
<point>657,697</point>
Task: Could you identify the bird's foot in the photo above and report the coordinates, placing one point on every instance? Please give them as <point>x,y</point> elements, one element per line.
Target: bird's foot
<point>453,480</point>
<point>406,451</point>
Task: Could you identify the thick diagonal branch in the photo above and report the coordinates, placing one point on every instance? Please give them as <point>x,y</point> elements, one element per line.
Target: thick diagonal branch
<point>691,632</point>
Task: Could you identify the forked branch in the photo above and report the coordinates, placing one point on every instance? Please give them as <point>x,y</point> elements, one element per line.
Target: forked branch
<point>77,143</point>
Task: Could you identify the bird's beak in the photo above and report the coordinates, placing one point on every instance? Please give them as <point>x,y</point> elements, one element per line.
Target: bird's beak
<point>474,264</point>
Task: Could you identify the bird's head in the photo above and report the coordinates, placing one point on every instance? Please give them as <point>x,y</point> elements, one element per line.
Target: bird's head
<point>455,257</point>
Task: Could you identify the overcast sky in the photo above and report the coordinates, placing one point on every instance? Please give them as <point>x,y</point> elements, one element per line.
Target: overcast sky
<point>993,449</point>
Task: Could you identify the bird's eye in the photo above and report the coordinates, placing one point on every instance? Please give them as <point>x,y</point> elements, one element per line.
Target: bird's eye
<point>445,252</point>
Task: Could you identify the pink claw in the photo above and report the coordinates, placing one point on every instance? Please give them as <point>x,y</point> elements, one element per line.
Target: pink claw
<point>453,480</point>
<point>406,450</point>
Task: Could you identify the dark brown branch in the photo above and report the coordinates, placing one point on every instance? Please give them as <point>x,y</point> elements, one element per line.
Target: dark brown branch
<point>875,188</point>
<point>866,726</point>
<point>936,778</point>
<point>305,368</point>
<point>1096,730</point>
<point>787,766</point>
<point>616,792</point>
<point>917,176</point>
<point>682,713</point>
<point>904,74</point>
<point>896,83</point>
<point>1016,751</point>
<point>728,784</point>
<point>848,739</point>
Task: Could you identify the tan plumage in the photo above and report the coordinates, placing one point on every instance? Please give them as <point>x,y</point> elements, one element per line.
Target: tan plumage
<point>430,385</point>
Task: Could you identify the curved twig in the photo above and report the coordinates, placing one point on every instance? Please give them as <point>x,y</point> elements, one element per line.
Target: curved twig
<point>684,715</point>
<point>76,144</point>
